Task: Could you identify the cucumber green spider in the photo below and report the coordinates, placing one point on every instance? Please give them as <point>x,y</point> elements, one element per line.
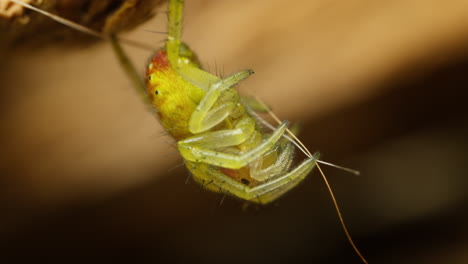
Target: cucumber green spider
<point>225,145</point>
<point>222,143</point>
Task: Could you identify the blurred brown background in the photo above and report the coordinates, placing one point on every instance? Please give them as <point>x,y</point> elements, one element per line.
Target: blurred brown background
<point>87,173</point>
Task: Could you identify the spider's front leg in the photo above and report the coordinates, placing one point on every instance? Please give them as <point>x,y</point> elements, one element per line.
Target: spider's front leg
<point>202,147</point>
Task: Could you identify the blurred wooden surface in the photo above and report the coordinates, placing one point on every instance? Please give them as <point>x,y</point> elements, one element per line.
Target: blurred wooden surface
<point>379,86</point>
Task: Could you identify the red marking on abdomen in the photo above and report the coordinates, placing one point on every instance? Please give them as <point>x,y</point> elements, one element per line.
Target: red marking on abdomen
<point>241,175</point>
<point>230,173</point>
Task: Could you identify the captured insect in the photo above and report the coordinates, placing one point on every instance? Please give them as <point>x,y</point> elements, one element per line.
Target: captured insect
<point>225,144</point>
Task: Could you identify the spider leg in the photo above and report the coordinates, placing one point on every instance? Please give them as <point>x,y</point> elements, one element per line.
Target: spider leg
<point>129,68</point>
<point>274,188</point>
<point>263,193</point>
<point>173,43</point>
<point>203,118</point>
<point>202,148</point>
<point>192,74</point>
<point>282,164</point>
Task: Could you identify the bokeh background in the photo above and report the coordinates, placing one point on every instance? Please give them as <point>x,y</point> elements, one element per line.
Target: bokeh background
<point>87,174</point>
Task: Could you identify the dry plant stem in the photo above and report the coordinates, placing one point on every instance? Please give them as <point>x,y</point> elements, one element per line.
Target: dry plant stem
<point>81,28</point>
<point>9,11</point>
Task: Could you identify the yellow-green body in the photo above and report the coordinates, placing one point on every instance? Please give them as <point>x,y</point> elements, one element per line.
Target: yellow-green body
<point>218,136</point>
<point>176,99</point>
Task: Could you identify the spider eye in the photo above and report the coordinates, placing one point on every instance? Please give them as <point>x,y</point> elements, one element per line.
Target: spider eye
<point>156,92</point>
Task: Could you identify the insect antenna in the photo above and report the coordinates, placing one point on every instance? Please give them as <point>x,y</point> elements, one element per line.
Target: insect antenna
<point>295,140</point>
<point>355,172</point>
<point>81,28</point>
<point>338,211</point>
<point>265,123</point>
<point>304,149</point>
<point>308,153</point>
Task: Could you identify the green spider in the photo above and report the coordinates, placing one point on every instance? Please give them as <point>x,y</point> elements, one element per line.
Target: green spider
<point>219,137</point>
<point>223,142</point>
